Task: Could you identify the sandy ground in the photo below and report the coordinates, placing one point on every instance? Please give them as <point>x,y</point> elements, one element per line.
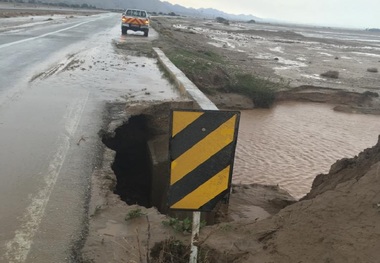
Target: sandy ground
<point>297,55</point>
<point>337,222</point>
<point>292,55</point>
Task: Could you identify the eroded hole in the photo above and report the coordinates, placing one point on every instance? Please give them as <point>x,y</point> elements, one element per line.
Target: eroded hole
<point>131,165</point>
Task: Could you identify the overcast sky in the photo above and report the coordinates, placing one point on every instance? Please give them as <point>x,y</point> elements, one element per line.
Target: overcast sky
<point>347,13</point>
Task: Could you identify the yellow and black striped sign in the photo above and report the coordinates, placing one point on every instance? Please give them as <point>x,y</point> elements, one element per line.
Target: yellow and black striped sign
<point>202,150</point>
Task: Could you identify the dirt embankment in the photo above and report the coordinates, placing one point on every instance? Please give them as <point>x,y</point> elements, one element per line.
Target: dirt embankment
<point>278,60</point>
<point>345,170</point>
<point>338,221</point>
<point>346,101</point>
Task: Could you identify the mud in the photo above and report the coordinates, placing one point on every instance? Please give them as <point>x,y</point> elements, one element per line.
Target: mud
<point>293,56</point>
<point>345,170</point>
<point>337,222</point>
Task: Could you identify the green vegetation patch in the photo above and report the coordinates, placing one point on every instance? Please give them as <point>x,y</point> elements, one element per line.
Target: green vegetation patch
<point>261,91</point>
<point>170,250</point>
<point>201,66</point>
<point>183,226</point>
<point>175,251</point>
<point>194,61</point>
<point>134,213</point>
<point>210,72</point>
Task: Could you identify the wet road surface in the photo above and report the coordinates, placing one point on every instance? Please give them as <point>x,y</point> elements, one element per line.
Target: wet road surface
<point>54,82</point>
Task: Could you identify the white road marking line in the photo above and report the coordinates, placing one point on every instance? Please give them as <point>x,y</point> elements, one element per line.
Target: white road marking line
<point>47,34</point>
<point>18,248</point>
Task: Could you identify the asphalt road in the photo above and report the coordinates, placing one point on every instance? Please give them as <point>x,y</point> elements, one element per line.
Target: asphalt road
<point>55,79</point>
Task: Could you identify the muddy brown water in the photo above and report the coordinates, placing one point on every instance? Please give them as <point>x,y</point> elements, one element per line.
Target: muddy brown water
<point>291,143</point>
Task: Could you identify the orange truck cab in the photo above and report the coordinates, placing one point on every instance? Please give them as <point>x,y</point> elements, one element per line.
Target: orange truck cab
<point>135,20</point>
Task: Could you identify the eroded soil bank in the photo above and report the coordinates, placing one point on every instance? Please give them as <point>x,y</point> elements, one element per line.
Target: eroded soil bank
<point>336,222</point>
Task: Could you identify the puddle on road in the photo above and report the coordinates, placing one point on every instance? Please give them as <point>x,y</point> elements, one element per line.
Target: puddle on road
<point>109,75</point>
<point>135,78</point>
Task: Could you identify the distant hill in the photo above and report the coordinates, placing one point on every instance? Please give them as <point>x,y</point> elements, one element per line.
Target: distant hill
<point>156,6</point>
<point>377,30</point>
<point>212,13</point>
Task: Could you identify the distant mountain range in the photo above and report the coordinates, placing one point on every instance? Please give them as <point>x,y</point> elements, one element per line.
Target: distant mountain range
<point>157,6</point>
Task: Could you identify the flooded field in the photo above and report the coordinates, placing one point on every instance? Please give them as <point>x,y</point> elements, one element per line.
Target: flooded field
<point>296,54</point>
<point>293,142</point>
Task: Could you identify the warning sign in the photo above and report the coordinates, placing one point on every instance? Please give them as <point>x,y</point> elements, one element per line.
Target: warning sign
<point>202,149</point>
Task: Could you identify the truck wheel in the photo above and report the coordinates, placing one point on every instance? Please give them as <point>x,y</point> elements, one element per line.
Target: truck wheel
<point>146,33</point>
<point>123,31</point>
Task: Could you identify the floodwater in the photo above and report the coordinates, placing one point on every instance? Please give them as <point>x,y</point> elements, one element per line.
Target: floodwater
<point>291,143</point>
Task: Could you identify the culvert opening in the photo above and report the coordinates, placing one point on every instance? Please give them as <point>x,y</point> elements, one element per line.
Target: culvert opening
<point>132,163</point>
<point>142,162</point>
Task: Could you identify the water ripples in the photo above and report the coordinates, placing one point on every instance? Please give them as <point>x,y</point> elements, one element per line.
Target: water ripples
<point>293,142</point>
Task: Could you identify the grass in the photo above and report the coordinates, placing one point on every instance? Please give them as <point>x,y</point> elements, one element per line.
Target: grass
<point>165,73</point>
<point>260,90</point>
<point>134,213</point>
<point>194,62</point>
<point>203,67</point>
<point>212,73</point>
<point>182,226</point>
<point>170,250</point>
<point>175,251</point>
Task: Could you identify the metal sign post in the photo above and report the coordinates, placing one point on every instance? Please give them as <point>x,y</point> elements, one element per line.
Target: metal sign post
<point>202,150</point>
<point>194,236</point>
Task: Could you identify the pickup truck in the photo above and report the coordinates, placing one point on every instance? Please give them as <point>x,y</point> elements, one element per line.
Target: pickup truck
<point>135,20</point>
